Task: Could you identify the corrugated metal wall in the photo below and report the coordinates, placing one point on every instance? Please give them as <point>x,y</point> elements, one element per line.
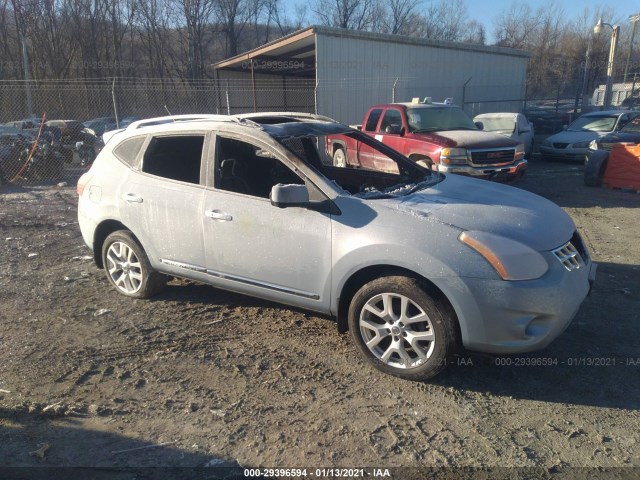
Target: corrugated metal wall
<point>354,73</point>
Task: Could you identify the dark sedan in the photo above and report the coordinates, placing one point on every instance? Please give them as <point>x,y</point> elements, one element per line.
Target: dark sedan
<point>630,133</point>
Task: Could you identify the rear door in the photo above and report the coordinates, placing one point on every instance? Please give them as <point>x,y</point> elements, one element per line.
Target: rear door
<point>162,201</point>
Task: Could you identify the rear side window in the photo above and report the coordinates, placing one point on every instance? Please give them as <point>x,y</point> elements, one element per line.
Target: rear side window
<point>175,157</point>
<point>128,150</point>
<point>372,121</point>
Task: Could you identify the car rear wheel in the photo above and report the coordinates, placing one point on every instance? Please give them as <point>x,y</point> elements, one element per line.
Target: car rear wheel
<point>128,268</point>
<point>339,158</point>
<point>401,329</point>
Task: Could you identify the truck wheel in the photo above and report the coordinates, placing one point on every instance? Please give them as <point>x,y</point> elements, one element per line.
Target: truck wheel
<point>340,158</point>
<point>401,329</point>
<point>594,168</point>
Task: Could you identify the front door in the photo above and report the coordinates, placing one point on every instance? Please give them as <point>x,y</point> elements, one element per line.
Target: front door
<point>254,247</point>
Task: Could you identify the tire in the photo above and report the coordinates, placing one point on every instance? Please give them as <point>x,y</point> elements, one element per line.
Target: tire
<point>128,268</point>
<point>594,168</point>
<point>375,314</point>
<point>340,158</point>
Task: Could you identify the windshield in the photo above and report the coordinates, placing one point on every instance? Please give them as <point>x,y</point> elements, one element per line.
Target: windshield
<point>360,165</point>
<point>498,124</point>
<point>594,123</point>
<point>432,119</point>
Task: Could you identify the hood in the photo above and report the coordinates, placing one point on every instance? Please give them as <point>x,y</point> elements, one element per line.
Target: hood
<point>620,137</point>
<point>574,137</point>
<point>471,204</point>
<point>470,139</point>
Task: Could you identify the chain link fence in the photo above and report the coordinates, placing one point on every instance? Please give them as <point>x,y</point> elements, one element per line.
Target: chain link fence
<point>57,149</point>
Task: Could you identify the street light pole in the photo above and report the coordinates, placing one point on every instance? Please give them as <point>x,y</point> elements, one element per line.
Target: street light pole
<point>612,55</point>
<point>633,19</point>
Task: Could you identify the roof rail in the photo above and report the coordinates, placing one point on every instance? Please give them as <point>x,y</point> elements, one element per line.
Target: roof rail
<point>147,122</point>
<point>300,115</point>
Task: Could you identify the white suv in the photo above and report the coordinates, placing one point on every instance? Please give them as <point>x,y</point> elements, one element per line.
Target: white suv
<point>414,263</point>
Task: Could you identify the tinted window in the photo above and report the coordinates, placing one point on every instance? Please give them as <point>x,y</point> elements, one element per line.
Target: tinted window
<point>372,121</point>
<point>242,167</point>
<point>175,157</point>
<point>128,150</point>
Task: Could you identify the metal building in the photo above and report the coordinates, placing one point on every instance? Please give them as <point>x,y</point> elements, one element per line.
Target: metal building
<point>340,73</point>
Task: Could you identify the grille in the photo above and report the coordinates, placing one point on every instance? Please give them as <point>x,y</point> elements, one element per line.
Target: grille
<point>492,157</point>
<point>560,145</point>
<point>569,256</point>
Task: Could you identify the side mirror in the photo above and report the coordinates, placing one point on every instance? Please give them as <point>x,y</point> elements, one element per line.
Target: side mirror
<point>289,195</point>
<point>480,125</point>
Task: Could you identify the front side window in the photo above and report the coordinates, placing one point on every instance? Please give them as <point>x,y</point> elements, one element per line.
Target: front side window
<point>249,169</point>
<point>176,157</point>
<point>391,122</point>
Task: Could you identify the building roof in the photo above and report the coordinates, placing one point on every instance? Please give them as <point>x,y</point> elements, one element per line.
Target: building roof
<point>294,54</point>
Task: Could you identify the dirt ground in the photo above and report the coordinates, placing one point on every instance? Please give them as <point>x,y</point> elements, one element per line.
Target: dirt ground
<point>197,376</point>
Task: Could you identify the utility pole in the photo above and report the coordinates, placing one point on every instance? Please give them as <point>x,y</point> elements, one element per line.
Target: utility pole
<point>633,19</point>
<point>27,79</point>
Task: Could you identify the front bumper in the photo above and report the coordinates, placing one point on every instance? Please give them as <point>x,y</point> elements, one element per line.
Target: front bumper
<point>502,317</point>
<point>566,154</point>
<point>503,172</point>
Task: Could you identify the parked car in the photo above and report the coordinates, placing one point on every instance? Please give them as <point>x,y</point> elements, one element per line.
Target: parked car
<point>437,135</point>
<point>512,125</point>
<point>101,125</point>
<point>126,121</point>
<point>573,143</point>
<point>414,263</point>
<point>631,103</point>
<point>630,133</point>
<point>543,120</point>
<point>70,130</point>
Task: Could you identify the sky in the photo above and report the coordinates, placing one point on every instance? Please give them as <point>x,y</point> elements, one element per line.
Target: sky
<point>485,11</point>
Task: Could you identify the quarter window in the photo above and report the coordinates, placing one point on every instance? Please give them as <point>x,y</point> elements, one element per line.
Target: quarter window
<point>128,150</point>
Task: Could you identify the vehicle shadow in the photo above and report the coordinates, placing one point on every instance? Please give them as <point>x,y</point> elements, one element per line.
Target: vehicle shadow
<point>39,445</point>
<point>595,362</point>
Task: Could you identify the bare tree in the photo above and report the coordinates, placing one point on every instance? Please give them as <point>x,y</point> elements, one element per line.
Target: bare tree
<point>353,14</point>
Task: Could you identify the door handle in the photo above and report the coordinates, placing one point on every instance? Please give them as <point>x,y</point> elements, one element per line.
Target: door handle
<point>218,215</point>
<point>132,198</point>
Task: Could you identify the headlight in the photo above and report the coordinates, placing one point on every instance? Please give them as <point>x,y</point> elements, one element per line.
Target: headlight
<point>593,145</point>
<point>519,151</point>
<point>511,260</point>
<point>582,144</point>
<point>453,156</point>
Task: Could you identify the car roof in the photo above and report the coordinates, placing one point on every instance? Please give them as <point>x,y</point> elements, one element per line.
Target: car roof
<point>605,112</point>
<point>274,124</point>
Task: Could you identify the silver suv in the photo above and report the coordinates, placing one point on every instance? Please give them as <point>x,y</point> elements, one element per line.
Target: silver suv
<point>414,263</point>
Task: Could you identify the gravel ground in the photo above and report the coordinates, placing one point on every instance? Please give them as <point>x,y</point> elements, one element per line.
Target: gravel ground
<point>198,376</point>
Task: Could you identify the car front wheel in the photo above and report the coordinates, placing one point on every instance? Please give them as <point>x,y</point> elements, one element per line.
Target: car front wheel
<point>401,329</point>
<point>128,268</point>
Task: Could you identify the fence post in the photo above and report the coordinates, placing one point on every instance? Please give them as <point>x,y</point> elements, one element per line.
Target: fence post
<point>393,91</point>
<point>115,104</point>
<point>315,97</point>
<point>226,93</point>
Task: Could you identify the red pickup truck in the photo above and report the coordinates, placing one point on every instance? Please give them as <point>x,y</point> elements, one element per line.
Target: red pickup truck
<point>439,136</point>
